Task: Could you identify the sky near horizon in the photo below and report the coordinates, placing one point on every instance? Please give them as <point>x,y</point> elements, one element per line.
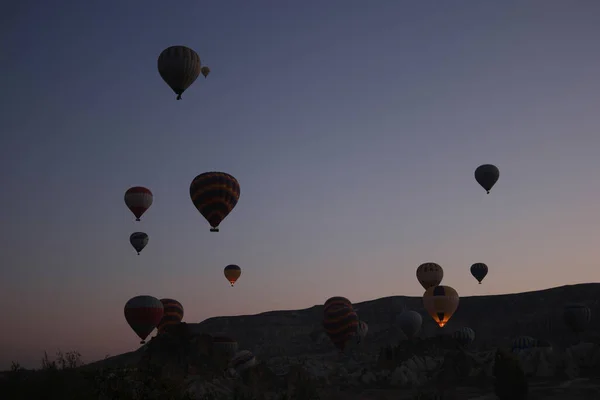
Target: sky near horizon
<point>353,128</point>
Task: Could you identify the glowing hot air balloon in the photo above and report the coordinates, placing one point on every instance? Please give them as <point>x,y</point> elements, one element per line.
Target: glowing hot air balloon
<point>487,175</point>
<point>138,240</point>
<point>479,271</point>
<point>173,314</point>
<point>138,199</point>
<point>429,274</point>
<point>214,195</point>
<point>143,313</point>
<point>205,71</point>
<point>441,303</point>
<point>232,273</point>
<point>179,67</point>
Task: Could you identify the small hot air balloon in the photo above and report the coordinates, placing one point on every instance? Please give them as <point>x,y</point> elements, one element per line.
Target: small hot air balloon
<point>577,317</point>
<point>173,314</point>
<point>340,323</point>
<point>441,303</point>
<point>138,199</point>
<point>429,274</point>
<point>138,240</point>
<point>179,67</point>
<point>205,71</point>
<point>232,273</point>
<point>410,323</point>
<point>479,271</point>
<point>487,175</point>
<point>214,195</point>
<point>464,336</point>
<point>143,313</point>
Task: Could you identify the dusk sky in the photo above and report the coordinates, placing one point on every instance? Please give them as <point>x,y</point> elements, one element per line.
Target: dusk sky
<point>353,127</point>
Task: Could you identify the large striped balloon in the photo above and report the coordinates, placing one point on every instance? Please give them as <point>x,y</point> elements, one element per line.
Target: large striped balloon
<point>577,317</point>
<point>179,67</point>
<point>340,323</point>
<point>138,199</point>
<point>214,195</point>
<point>464,336</point>
<point>336,301</point>
<point>143,313</point>
<point>441,303</point>
<point>173,314</point>
<point>430,274</point>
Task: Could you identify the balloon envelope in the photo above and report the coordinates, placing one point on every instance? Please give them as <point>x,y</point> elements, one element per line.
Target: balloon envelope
<point>138,199</point>
<point>464,336</point>
<point>179,67</point>
<point>173,314</point>
<point>441,303</point>
<point>487,175</point>
<point>410,323</point>
<point>430,274</point>
<point>214,195</point>
<point>340,323</point>
<point>232,273</point>
<point>479,271</point>
<point>143,313</point>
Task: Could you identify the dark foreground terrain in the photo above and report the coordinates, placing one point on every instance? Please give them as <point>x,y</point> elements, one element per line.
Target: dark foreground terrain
<point>295,359</point>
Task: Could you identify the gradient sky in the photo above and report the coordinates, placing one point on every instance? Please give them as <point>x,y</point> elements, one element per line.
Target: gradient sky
<point>353,128</point>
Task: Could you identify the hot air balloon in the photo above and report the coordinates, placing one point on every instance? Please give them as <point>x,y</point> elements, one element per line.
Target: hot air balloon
<point>479,271</point>
<point>205,71</point>
<point>335,302</point>
<point>173,314</point>
<point>410,323</point>
<point>577,317</point>
<point>143,313</point>
<point>179,66</point>
<point>430,274</point>
<point>487,175</point>
<point>441,303</point>
<point>340,323</point>
<point>225,345</point>
<point>215,194</point>
<point>232,273</point>
<point>523,343</point>
<point>464,336</point>
<point>138,199</point>
<point>138,240</point>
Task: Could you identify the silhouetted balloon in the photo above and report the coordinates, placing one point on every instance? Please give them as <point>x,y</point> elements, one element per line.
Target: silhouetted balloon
<point>479,271</point>
<point>232,273</point>
<point>225,345</point>
<point>441,303</point>
<point>337,301</point>
<point>340,323</point>
<point>410,323</point>
<point>487,175</point>
<point>138,240</point>
<point>430,274</point>
<point>138,199</point>
<point>173,314</point>
<point>523,343</point>
<point>205,71</point>
<point>577,317</point>
<point>214,195</point>
<point>464,336</point>
<point>143,313</point>
<point>179,67</point>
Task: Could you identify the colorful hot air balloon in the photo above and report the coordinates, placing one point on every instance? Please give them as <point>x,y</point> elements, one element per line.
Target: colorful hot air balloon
<point>577,317</point>
<point>143,313</point>
<point>179,66</point>
<point>441,303</point>
<point>336,301</point>
<point>487,175</point>
<point>138,240</point>
<point>215,194</point>
<point>429,274</point>
<point>410,323</point>
<point>340,323</point>
<point>205,71</point>
<point>138,199</point>
<point>232,273</point>
<point>479,271</point>
<point>464,336</point>
<point>173,314</point>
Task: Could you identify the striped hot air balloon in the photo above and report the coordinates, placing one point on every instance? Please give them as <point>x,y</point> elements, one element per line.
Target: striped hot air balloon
<point>214,195</point>
<point>232,273</point>
<point>430,274</point>
<point>336,301</point>
<point>138,240</point>
<point>340,323</point>
<point>138,199</point>
<point>441,303</point>
<point>173,314</point>
<point>179,67</point>
<point>464,336</point>
<point>143,313</point>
